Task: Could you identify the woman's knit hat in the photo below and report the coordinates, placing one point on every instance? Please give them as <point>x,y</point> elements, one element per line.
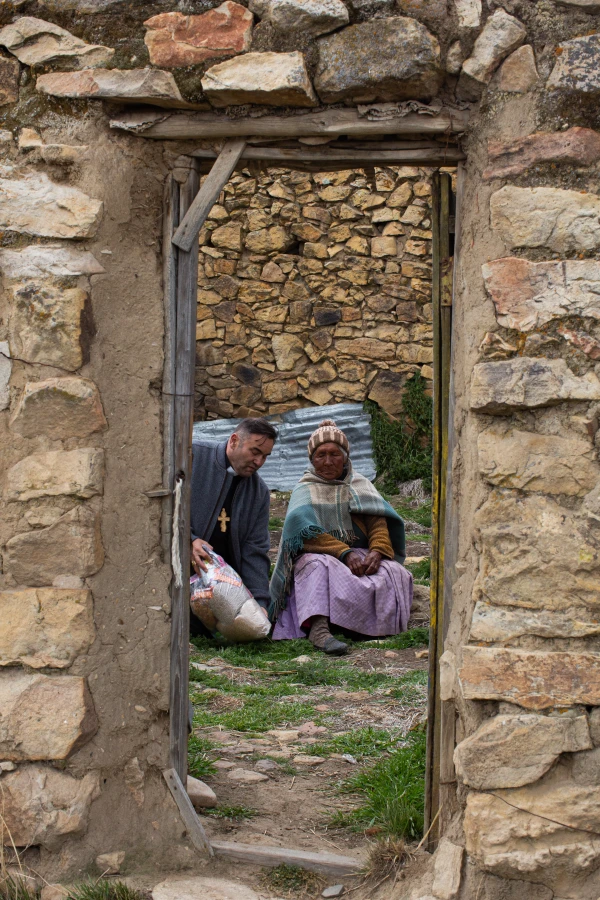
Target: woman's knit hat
<point>326,433</point>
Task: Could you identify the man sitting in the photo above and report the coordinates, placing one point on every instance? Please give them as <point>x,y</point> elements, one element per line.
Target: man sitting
<point>230,505</point>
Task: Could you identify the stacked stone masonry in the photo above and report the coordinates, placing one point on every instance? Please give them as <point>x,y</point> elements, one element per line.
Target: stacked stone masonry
<point>314,289</point>
<point>309,292</point>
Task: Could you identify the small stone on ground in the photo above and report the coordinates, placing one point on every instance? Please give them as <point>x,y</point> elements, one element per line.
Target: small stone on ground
<point>334,890</point>
<point>245,776</point>
<point>200,794</point>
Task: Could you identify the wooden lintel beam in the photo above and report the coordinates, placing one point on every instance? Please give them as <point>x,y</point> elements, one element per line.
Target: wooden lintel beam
<point>208,194</point>
<point>194,126</point>
<point>434,155</point>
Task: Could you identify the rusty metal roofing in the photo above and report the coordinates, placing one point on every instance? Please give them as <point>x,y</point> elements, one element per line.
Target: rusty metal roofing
<point>289,460</point>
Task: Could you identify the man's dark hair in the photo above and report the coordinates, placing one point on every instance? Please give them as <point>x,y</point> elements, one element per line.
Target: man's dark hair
<point>256,426</point>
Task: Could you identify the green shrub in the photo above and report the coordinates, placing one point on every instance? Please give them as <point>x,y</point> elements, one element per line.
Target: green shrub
<point>403,448</point>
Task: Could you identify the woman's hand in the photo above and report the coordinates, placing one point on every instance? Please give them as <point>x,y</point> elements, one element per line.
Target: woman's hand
<point>355,563</point>
<point>371,562</point>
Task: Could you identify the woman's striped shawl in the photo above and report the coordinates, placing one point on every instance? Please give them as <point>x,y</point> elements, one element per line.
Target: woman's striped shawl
<point>319,507</point>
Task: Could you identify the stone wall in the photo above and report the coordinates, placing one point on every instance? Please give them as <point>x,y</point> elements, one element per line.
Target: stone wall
<point>314,289</point>
<point>84,587</point>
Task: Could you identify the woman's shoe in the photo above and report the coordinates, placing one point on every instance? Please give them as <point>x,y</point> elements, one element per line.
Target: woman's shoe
<point>333,647</point>
<point>322,639</point>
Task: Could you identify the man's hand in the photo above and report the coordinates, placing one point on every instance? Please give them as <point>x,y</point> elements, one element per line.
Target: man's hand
<point>372,561</point>
<point>355,563</point>
<point>200,552</point>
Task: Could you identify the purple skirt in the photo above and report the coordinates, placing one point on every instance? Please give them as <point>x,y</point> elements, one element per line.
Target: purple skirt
<point>376,605</point>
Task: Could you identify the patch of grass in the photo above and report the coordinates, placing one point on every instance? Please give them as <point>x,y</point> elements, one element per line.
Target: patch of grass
<point>255,654</point>
<point>362,743</point>
<point>200,764</point>
<point>411,688</point>
<point>285,765</point>
<point>423,538</point>
<point>17,889</point>
<point>234,813</point>
<point>292,881</point>
<point>323,672</point>
<point>104,889</point>
<point>257,714</point>
<point>416,637</point>
<point>403,447</point>
<point>420,514</point>
<point>392,791</point>
<point>421,571</point>
<point>275,523</point>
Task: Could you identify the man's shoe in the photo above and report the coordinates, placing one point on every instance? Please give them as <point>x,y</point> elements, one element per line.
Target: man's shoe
<point>333,647</point>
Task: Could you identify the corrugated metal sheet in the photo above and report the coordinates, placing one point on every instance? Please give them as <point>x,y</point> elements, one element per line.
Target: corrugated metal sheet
<point>289,459</point>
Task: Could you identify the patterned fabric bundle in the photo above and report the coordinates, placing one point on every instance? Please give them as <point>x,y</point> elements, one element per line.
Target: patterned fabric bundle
<point>318,506</point>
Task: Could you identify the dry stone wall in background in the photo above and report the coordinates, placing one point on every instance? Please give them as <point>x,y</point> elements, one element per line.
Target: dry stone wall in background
<point>314,289</point>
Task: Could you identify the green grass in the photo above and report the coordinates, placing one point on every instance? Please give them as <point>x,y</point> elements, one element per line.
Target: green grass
<point>17,889</point>
<point>257,714</point>
<point>104,889</point>
<point>199,761</point>
<point>421,515</point>
<point>292,881</point>
<point>411,688</point>
<point>275,523</point>
<point>403,447</point>
<point>422,538</point>
<point>416,637</point>
<point>255,654</point>
<point>421,571</point>
<point>361,744</point>
<point>234,813</point>
<point>391,791</point>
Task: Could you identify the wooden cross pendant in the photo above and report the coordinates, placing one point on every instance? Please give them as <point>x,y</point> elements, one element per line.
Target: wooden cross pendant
<point>223,520</point>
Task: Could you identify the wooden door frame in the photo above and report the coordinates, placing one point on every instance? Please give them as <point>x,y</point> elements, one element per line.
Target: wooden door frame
<point>186,207</point>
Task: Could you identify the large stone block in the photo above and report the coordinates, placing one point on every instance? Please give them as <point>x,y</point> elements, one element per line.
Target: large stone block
<point>501,35</point>
<point>5,372</point>
<point>519,73</point>
<point>272,79</point>
<point>36,43</point>
<point>468,12</point>
<point>577,67</point>
<point>447,870</point>
<point>537,462</point>
<point>58,472</point>
<point>45,627</point>
<point>527,295</point>
<point>313,17</point>
<point>384,59</point>
<point>46,324</point>
<point>42,806</point>
<point>510,751</point>
<point>524,383</point>
<point>535,554</point>
<point>9,80</point>
<point>44,717</point>
<point>545,833</point>
<point>150,86</point>
<point>174,39</point>
<point>60,408</point>
<point>387,390</point>
<point>367,348</point>
<point>48,259</point>
<point>35,205</point>
<point>535,679</point>
<point>288,350</point>
<point>72,546</point>
<point>576,146</point>
<point>563,221</point>
<point>495,624</point>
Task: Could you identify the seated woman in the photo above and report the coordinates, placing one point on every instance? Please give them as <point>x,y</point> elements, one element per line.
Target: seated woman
<point>341,553</point>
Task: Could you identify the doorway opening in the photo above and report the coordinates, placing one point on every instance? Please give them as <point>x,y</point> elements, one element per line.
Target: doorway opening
<point>320,290</point>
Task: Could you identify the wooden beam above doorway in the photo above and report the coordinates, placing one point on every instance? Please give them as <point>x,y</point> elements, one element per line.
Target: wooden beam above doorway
<point>333,122</point>
<point>331,158</point>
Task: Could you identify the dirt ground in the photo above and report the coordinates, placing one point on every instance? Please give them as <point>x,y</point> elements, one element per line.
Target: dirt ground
<point>306,724</point>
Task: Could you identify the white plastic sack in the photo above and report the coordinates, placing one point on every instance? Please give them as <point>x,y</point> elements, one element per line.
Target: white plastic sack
<point>223,603</point>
